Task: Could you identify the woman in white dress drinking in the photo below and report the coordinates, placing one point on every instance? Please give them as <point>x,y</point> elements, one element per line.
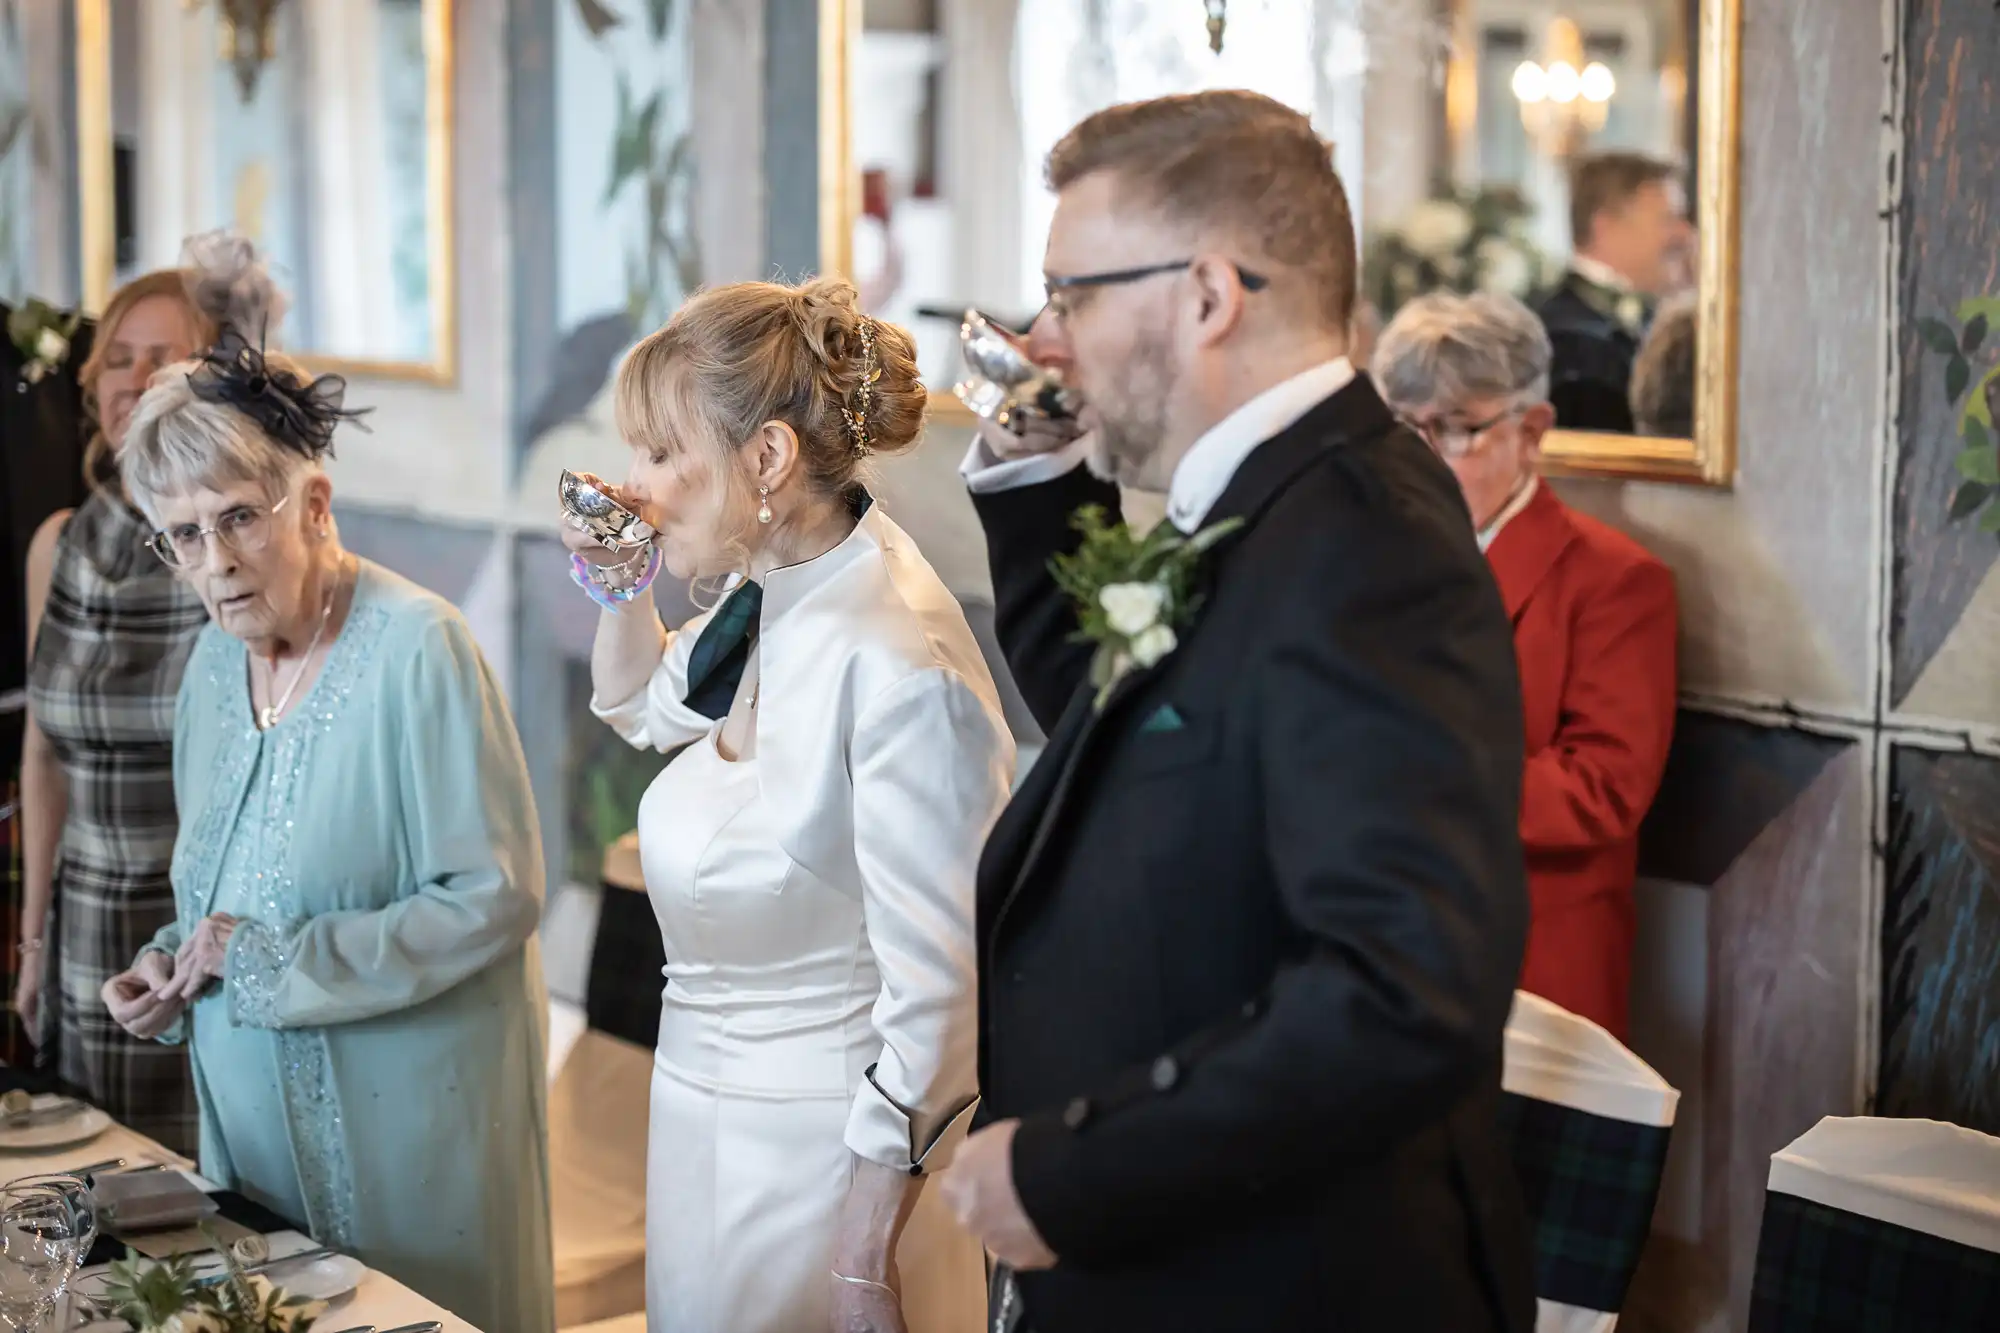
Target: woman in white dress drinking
<point>810,852</point>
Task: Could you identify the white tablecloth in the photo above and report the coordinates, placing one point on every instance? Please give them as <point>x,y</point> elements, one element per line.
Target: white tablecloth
<point>380,1300</point>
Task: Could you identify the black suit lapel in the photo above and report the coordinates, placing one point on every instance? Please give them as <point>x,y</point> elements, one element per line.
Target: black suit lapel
<point>1355,413</point>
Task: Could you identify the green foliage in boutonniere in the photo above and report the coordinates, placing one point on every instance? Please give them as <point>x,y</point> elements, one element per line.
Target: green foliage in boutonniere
<point>42,333</point>
<point>167,1296</point>
<point>1133,594</point>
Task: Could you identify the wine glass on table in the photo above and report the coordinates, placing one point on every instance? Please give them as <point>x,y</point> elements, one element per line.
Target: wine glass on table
<point>47,1225</point>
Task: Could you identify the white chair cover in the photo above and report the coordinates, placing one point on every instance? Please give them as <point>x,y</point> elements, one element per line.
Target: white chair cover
<point>1559,1058</point>
<point>1921,1175</point>
<point>1880,1226</point>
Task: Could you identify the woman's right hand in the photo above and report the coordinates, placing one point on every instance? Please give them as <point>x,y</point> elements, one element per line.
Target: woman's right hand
<point>135,996</point>
<point>28,992</point>
<point>583,543</point>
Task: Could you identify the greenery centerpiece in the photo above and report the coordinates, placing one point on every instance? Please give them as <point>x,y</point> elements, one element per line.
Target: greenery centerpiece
<point>166,1296</point>
<point>1465,241</point>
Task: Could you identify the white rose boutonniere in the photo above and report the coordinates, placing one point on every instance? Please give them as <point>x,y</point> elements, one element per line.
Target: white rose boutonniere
<point>42,335</point>
<point>1133,594</point>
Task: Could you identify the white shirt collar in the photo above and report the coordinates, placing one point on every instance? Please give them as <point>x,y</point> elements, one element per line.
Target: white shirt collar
<point>1508,511</point>
<point>1601,273</point>
<point>1204,472</point>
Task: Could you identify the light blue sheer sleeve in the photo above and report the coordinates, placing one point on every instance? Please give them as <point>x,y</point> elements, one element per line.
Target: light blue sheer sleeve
<point>470,820</point>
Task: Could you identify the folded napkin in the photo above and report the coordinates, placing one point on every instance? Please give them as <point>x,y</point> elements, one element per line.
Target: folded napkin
<point>244,1215</point>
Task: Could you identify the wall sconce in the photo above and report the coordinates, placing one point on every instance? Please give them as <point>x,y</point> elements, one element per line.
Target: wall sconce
<point>1564,100</point>
<point>249,39</point>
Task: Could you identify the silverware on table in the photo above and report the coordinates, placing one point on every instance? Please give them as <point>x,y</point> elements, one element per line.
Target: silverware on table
<point>359,1328</point>
<point>426,1326</point>
<point>96,1168</point>
<point>221,1276</point>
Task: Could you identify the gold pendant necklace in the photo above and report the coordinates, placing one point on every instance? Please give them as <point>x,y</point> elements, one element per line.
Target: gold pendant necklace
<point>267,716</point>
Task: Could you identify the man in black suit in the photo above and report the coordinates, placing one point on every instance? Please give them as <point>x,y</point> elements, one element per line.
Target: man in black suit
<point>1249,931</point>
<point>43,428</point>
<point>1628,222</point>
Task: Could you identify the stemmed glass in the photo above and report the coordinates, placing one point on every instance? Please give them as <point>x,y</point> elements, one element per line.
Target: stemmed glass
<point>47,1226</point>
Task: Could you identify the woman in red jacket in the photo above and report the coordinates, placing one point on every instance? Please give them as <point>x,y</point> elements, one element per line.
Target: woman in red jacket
<point>1594,632</point>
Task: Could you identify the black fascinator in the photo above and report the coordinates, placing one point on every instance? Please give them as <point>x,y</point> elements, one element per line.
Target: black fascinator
<point>297,412</point>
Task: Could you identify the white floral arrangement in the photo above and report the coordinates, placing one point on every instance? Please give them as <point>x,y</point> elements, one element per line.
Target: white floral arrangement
<point>42,334</point>
<point>1471,241</point>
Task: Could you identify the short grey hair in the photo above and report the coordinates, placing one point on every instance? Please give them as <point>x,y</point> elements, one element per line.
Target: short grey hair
<point>1662,391</point>
<point>177,443</point>
<point>1443,349</point>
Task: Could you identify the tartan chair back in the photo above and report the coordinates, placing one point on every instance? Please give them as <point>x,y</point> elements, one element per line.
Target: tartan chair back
<point>1587,1123</point>
<point>1880,1226</point>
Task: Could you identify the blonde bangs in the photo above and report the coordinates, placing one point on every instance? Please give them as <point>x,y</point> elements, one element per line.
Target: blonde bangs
<point>651,396</point>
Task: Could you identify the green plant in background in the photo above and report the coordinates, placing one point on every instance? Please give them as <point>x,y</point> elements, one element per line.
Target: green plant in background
<point>1467,241</point>
<point>1960,342</point>
<point>665,263</point>
<point>606,779</point>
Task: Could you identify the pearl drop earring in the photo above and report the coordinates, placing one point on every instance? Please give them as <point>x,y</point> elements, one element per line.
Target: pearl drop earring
<point>764,507</point>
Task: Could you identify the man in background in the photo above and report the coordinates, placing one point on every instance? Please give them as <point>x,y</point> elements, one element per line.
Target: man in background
<point>1628,223</point>
<point>42,431</point>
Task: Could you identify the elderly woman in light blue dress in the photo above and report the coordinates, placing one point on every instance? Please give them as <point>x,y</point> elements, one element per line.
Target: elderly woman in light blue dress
<point>358,877</point>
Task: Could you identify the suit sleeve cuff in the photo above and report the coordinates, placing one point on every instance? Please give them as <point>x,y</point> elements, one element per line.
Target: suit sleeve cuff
<point>984,472</point>
<point>885,1131</point>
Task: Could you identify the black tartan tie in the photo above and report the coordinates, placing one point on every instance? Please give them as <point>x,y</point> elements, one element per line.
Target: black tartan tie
<point>715,668</point>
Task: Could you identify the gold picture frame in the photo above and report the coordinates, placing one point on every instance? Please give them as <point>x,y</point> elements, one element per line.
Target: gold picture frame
<point>98,222</point>
<point>1708,459</point>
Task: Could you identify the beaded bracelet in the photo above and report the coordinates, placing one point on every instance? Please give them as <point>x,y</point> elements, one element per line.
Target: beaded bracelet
<point>611,599</point>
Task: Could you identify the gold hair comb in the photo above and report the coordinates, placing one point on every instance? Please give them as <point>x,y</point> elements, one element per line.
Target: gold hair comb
<point>861,399</point>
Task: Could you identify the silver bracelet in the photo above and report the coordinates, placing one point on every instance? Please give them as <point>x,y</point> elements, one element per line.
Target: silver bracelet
<point>864,1282</point>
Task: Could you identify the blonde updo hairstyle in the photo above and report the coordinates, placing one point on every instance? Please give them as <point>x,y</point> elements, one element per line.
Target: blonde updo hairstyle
<point>735,357</point>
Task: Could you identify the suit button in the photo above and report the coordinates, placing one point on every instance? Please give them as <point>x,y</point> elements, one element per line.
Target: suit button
<point>1018,977</point>
<point>1249,1008</point>
<point>1166,1073</point>
<point>1076,1113</point>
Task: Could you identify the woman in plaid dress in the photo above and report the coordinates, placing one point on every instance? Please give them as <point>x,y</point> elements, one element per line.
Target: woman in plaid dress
<point>110,630</point>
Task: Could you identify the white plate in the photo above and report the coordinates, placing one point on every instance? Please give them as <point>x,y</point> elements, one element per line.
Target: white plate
<point>82,1127</point>
<point>320,1280</point>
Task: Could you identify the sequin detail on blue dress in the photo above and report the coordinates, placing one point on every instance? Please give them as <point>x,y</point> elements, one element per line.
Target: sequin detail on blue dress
<point>240,851</point>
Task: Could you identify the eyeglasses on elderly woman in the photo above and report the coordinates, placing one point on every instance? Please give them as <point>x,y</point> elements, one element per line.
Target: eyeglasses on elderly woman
<point>244,529</point>
<point>1458,439</point>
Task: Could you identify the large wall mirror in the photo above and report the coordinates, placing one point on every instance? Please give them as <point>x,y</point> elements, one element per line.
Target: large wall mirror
<point>1458,125</point>
<point>321,129</point>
